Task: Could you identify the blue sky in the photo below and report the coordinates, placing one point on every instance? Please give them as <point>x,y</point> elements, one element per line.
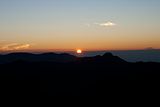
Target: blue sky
<point>69,24</point>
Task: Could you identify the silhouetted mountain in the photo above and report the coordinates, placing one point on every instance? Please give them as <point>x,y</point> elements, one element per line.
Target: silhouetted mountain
<point>53,57</point>
<point>45,57</point>
<point>106,58</point>
<point>47,74</point>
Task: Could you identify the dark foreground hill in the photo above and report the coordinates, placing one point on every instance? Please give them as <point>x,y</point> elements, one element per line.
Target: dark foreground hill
<point>24,74</point>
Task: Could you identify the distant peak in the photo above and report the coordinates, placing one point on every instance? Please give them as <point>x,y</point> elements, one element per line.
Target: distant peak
<point>108,54</point>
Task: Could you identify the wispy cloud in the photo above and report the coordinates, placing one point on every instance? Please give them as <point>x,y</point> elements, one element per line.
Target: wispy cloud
<point>102,24</point>
<point>106,24</point>
<point>14,46</point>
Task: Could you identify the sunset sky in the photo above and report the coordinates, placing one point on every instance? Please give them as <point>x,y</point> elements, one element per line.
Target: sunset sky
<point>79,24</point>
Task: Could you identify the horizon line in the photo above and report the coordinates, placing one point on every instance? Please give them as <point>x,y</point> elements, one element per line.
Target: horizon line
<point>70,50</point>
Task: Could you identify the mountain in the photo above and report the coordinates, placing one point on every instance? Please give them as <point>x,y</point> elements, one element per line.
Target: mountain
<point>102,75</point>
<point>45,57</point>
<point>60,58</point>
<point>106,58</point>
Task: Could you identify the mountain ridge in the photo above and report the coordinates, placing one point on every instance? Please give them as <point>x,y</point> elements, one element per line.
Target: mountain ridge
<point>54,57</point>
<point>101,75</point>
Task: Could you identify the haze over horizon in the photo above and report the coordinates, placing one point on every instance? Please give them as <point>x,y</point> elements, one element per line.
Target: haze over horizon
<point>47,25</point>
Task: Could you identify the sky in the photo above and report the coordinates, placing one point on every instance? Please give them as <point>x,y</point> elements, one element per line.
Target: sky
<point>79,24</point>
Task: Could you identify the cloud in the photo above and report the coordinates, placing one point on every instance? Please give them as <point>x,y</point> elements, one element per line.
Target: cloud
<point>106,24</point>
<point>14,46</point>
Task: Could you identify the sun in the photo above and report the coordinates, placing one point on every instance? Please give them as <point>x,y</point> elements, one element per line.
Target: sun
<point>79,51</point>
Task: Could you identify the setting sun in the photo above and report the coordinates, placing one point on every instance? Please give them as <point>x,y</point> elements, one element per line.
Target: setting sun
<point>79,51</point>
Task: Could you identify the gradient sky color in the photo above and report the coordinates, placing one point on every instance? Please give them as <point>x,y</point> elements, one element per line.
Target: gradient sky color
<point>79,24</point>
